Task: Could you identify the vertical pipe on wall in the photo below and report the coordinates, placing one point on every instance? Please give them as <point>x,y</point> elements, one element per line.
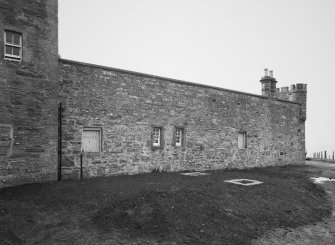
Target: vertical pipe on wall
<point>59,167</point>
<point>81,164</point>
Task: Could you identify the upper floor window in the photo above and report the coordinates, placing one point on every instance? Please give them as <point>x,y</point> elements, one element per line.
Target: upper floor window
<point>242,140</point>
<point>13,45</point>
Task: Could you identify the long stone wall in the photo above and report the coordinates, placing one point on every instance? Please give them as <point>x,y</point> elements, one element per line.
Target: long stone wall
<point>126,105</point>
<point>123,108</point>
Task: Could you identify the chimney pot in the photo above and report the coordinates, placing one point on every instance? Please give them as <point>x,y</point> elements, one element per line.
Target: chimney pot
<point>271,73</point>
<point>266,72</point>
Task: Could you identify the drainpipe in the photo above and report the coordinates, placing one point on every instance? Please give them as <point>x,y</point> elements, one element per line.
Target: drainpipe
<point>59,166</point>
<point>81,164</point>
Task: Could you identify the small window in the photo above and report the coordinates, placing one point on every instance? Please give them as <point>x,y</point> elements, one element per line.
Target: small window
<point>91,141</point>
<point>156,137</point>
<point>179,137</point>
<point>13,45</point>
<point>242,140</point>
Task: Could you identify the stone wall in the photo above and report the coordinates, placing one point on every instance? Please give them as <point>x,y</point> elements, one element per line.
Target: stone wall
<point>28,93</point>
<point>126,105</point>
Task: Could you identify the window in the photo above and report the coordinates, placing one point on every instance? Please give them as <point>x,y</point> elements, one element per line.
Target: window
<point>179,134</point>
<point>242,140</point>
<point>156,137</point>
<point>91,141</point>
<point>179,137</point>
<point>13,45</point>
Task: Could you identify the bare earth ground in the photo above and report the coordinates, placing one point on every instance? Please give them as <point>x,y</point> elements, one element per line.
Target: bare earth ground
<point>320,233</point>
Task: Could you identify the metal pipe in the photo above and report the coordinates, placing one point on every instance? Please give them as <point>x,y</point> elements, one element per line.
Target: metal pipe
<point>59,166</point>
<point>81,164</point>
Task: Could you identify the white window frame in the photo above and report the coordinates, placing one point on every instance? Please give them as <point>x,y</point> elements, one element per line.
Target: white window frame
<point>242,136</point>
<point>179,135</point>
<point>156,136</point>
<point>12,56</point>
<point>100,137</point>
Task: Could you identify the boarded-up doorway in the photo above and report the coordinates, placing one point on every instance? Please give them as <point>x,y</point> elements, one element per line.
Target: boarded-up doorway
<point>91,140</point>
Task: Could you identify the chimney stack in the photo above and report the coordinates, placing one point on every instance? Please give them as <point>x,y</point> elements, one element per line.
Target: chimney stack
<point>269,84</point>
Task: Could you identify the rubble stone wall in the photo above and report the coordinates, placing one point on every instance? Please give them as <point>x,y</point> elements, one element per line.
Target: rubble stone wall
<point>126,105</point>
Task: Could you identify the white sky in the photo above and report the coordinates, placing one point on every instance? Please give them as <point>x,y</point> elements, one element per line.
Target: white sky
<point>224,43</point>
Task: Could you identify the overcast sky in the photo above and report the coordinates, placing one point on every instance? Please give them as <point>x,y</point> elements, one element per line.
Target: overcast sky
<point>224,43</point>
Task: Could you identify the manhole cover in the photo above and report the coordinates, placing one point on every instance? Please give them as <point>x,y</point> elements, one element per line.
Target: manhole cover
<point>245,182</point>
<point>194,174</point>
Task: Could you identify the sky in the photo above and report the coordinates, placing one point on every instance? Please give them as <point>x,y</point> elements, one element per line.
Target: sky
<point>223,43</point>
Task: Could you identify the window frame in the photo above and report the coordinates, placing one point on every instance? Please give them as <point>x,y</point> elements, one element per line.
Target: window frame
<point>100,136</point>
<point>244,138</point>
<point>12,45</point>
<point>161,137</point>
<point>182,136</point>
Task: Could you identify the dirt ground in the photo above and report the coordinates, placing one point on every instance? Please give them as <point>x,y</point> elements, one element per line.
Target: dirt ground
<point>170,208</point>
<point>320,233</point>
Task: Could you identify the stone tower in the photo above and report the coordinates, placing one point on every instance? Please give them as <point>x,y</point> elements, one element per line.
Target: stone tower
<point>268,84</point>
<point>28,90</point>
<point>298,93</point>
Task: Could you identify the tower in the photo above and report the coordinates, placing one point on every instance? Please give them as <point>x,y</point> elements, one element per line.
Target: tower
<point>268,84</point>
<point>28,90</point>
<point>298,93</point>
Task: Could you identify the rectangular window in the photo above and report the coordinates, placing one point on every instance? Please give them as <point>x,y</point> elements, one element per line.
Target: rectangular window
<point>156,137</point>
<point>179,137</point>
<point>91,141</point>
<point>13,45</point>
<point>242,140</point>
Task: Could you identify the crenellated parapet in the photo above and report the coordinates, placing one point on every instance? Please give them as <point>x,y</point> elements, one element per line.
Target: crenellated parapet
<point>299,87</point>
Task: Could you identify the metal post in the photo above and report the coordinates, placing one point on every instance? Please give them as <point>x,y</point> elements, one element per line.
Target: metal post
<point>81,164</point>
<point>59,167</point>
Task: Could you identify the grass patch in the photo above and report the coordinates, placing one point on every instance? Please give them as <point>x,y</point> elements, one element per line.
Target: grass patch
<point>163,208</point>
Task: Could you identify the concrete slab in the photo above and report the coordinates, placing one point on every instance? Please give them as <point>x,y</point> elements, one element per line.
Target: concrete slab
<point>245,182</point>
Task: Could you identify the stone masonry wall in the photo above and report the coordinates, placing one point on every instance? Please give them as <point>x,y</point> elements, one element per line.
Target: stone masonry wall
<point>28,93</point>
<point>125,105</point>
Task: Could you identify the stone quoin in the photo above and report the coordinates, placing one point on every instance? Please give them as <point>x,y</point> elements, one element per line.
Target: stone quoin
<point>127,122</point>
